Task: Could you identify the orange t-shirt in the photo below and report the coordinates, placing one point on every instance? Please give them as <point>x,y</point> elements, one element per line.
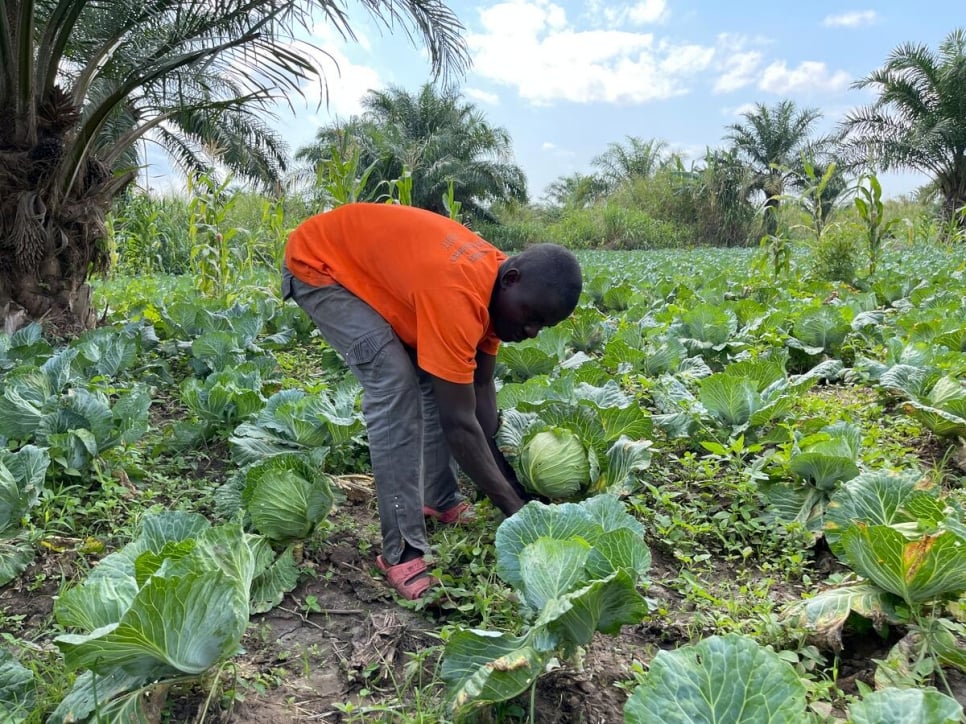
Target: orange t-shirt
<point>430,277</point>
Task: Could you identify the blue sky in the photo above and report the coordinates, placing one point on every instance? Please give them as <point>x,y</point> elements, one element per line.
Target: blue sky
<point>567,78</point>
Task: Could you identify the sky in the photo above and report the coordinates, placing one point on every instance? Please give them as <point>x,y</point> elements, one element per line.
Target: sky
<point>566,79</point>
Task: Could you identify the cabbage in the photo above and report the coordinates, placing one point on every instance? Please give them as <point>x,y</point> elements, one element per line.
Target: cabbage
<point>555,464</point>
<point>286,497</point>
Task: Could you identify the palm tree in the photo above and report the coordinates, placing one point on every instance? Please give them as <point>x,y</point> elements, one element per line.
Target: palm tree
<point>771,141</point>
<point>439,139</point>
<point>919,119</point>
<point>637,159</point>
<point>81,82</point>
<point>576,191</point>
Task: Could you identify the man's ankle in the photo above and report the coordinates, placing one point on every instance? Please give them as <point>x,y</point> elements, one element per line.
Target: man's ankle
<point>410,553</point>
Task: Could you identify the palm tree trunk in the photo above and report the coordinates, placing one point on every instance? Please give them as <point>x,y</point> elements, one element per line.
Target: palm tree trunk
<point>49,243</point>
<point>770,219</point>
<point>954,204</point>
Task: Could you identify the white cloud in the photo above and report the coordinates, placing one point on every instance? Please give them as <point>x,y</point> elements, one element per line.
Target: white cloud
<point>529,45</point>
<point>648,11</point>
<point>738,111</point>
<point>686,59</point>
<point>548,146</point>
<point>346,83</point>
<point>851,19</point>
<point>688,152</point>
<point>607,14</point>
<point>809,76</point>
<point>739,70</point>
<point>339,97</point>
<point>482,96</point>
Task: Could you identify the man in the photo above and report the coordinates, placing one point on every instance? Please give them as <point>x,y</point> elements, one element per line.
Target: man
<point>417,304</point>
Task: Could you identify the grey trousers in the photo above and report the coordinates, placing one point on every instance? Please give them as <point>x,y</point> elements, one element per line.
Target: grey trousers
<point>411,460</point>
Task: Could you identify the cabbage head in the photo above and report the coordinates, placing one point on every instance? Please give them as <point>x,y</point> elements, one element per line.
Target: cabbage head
<point>286,497</point>
<point>554,463</point>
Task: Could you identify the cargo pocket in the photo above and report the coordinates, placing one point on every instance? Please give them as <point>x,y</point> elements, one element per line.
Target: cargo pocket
<point>364,352</point>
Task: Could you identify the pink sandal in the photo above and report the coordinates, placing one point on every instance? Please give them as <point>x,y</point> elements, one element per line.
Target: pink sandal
<point>460,513</point>
<point>411,579</point>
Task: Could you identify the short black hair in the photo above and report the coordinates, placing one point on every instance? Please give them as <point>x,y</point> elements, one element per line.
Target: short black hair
<point>555,269</point>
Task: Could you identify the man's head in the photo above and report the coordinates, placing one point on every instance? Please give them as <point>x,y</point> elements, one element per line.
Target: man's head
<point>537,288</point>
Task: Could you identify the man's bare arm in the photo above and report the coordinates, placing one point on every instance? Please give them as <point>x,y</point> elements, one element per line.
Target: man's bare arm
<point>488,414</point>
<point>471,444</point>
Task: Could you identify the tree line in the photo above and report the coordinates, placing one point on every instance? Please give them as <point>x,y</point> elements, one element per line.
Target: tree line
<point>83,84</point>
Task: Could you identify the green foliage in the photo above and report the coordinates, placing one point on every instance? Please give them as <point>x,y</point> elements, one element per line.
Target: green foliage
<point>576,567</point>
<point>775,255</point>
<point>17,690</point>
<point>822,190</point>
<point>150,235</point>
<point>77,425</point>
<point>637,159</point>
<point>285,497</point>
<point>417,144</point>
<point>401,188</point>
<point>712,199</point>
<point>294,421</point>
<point>577,190</point>
<point>603,421</point>
<point>771,140</point>
<point>720,679</point>
<point>213,261</point>
<point>896,532</point>
<point>868,202</point>
<point>153,233</point>
<point>520,362</point>
<point>340,180</point>
<point>821,330</point>
<point>174,602</point>
<point>804,478</point>
<point>512,235</point>
<point>613,226</point>
<point>894,706</point>
<point>22,475</point>
<point>923,569</point>
<point>916,122</point>
<point>224,398</point>
<point>837,256</point>
<point>450,204</point>
<point>936,400</point>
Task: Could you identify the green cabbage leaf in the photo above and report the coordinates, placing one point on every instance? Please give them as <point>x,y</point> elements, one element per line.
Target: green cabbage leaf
<point>727,678</point>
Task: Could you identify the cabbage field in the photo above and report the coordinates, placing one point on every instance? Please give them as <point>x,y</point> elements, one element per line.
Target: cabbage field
<point>752,509</point>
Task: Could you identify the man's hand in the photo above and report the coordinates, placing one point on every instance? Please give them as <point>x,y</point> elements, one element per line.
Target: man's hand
<point>473,447</point>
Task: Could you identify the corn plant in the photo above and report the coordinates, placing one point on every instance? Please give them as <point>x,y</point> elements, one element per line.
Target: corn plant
<point>868,202</point>
<point>821,193</point>
<point>775,255</point>
<point>450,203</point>
<point>402,187</point>
<point>340,178</point>
<point>211,251</point>
<point>273,222</point>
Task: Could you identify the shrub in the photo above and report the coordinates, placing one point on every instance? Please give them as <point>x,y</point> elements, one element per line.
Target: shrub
<point>838,256</point>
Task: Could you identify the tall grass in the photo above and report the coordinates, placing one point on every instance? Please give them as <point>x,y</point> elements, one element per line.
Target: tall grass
<point>152,234</point>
